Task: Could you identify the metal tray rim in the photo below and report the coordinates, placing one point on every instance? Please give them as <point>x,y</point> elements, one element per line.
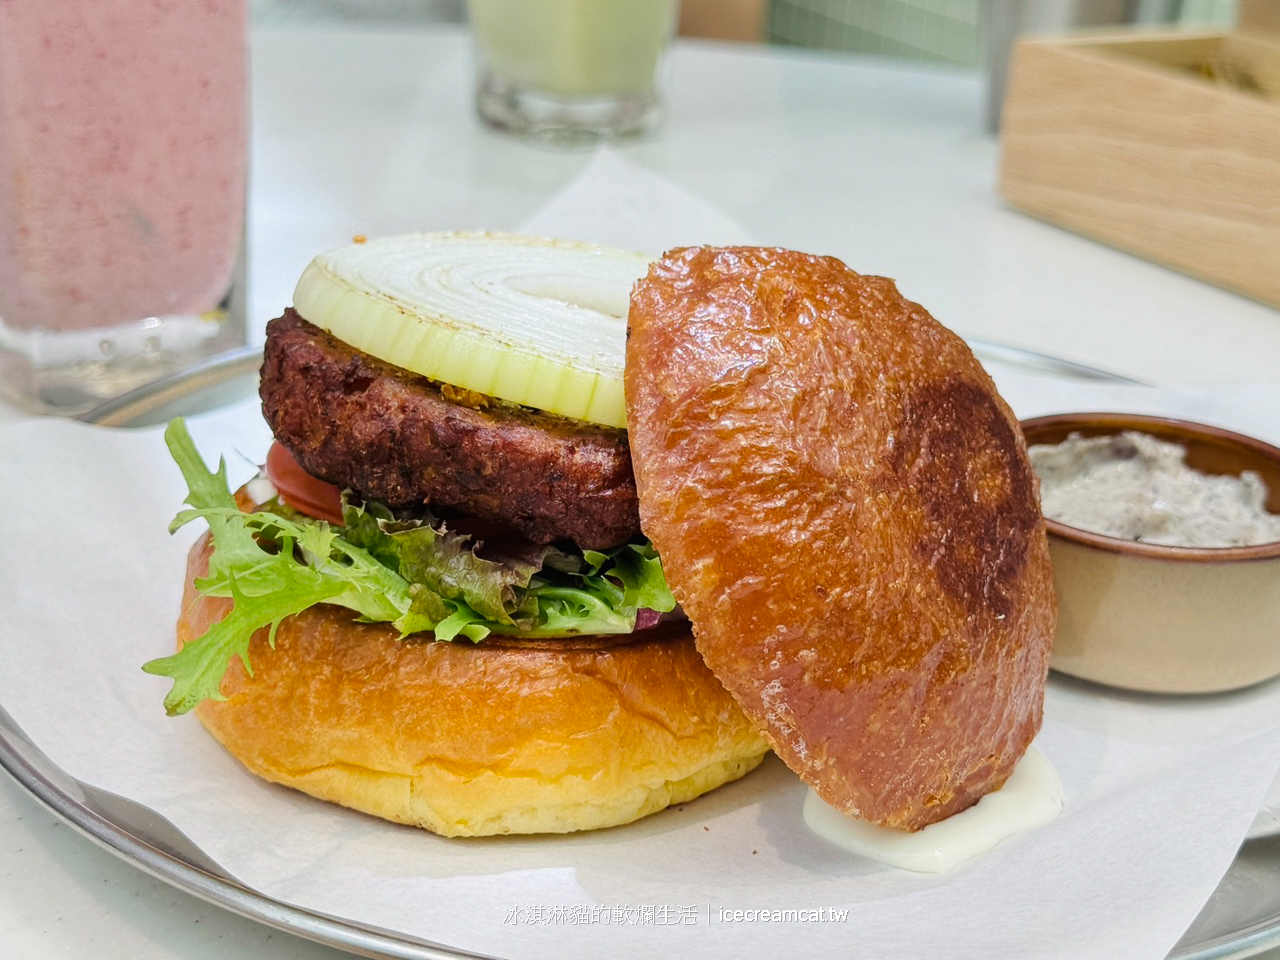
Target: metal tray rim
<point>68,798</point>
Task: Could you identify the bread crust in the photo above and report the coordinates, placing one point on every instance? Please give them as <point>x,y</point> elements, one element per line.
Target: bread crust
<point>844,508</point>
<point>474,740</point>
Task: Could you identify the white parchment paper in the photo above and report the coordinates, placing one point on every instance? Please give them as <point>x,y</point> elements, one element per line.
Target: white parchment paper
<point>1159,790</point>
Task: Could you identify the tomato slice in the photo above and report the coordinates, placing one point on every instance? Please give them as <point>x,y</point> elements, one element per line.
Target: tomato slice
<point>301,490</point>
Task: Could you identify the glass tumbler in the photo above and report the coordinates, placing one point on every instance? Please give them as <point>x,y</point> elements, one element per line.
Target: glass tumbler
<point>571,71</point>
<point>123,156</point>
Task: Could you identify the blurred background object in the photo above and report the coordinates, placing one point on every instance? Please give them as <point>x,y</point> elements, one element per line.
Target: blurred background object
<point>947,31</point>
<point>1004,21</point>
<point>724,19</point>
<point>965,33</point>
<point>123,169</point>
<point>951,31</point>
<point>1260,14</point>
<point>571,73</point>
<point>1164,143</point>
<point>307,11</point>
<point>942,30</point>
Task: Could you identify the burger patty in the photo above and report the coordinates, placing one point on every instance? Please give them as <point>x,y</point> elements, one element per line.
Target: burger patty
<point>389,434</point>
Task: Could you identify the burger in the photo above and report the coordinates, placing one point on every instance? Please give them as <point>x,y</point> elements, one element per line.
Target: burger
<point>450,599</point>
<point>436,605</point>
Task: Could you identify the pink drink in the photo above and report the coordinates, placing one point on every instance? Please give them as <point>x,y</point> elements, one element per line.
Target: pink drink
<point>122,182</point>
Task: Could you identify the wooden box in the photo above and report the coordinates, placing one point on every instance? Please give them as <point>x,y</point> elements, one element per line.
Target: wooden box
<point>1163,144</point>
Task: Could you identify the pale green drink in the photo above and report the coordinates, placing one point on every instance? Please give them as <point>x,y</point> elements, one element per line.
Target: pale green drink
<point>570,64</point>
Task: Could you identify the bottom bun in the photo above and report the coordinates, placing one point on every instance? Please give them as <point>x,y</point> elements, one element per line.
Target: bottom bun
<point>472,740</point>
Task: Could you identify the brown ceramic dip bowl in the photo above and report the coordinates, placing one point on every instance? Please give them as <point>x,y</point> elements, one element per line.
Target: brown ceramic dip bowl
<point>1158,618</point>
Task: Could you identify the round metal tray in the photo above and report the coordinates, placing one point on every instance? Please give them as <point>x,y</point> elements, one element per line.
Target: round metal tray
<point>1241,919</point>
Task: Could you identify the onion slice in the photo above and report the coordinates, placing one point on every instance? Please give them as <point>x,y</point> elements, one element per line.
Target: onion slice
<point>529,320</point>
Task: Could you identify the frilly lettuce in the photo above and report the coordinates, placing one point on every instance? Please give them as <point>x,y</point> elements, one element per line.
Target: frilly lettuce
<point>412,572</point>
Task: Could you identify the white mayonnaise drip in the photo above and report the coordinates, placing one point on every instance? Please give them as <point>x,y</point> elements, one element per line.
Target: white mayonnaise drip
<point>1031,797</point>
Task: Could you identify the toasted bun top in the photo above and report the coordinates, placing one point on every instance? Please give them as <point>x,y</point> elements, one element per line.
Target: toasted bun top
<point>844,508</point>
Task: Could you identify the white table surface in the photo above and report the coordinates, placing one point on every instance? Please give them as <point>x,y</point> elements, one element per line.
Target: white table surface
<point>882,164</point>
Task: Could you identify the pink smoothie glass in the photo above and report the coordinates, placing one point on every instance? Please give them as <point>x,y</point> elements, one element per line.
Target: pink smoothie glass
<point>123,157</point>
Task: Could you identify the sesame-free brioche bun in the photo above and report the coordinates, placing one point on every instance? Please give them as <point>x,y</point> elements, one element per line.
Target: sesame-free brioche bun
<point>844,507</point>
<point>475,739</point>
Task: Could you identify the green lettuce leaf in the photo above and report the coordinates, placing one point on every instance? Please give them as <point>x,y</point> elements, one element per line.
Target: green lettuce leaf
<point>442,560</point>
<point>272,567</point>
<point>388,566</point>
<point>638,568</point>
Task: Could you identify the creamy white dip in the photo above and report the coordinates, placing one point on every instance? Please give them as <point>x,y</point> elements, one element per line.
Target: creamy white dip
<point>1136,487</point>
<point>1031,797</point>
